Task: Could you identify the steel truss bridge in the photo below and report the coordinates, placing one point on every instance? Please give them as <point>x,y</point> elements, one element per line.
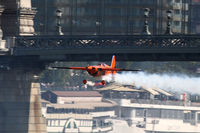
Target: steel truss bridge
<point>102,47</point>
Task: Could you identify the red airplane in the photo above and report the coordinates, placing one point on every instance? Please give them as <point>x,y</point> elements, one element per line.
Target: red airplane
<point>99,70</point>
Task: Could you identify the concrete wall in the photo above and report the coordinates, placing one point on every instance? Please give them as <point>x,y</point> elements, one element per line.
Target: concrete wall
<point>20,106</point>
<point>25,3</point>
<point>167,125</point>
<point>103,114</point>
<point>2,42</point>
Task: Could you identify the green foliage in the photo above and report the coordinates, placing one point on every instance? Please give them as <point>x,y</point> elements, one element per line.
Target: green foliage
<point>61,78</point>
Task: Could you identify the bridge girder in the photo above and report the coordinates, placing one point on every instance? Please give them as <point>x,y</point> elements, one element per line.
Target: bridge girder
<point>100,48</point>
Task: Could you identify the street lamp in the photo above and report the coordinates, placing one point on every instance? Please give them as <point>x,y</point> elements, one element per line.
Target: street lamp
<point>1,10</point>
<point>58,22</point>
<point>98,24</point>
<point>169,17</point>
<point>146,26</point>
<point>73,23</point>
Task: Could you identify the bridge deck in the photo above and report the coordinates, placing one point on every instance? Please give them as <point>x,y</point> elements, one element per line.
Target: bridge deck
<point>102,47</point>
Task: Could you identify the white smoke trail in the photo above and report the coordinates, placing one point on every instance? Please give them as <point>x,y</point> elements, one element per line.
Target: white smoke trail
<point>172,82</point>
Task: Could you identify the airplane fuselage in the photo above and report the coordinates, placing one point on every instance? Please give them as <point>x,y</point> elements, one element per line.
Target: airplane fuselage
<point>96,71</point>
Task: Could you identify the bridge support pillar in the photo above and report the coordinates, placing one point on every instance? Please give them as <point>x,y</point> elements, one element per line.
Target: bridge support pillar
<point>17,17</point>
<point>1,33</point>
<point>2,42</point>
<point>20,104</point>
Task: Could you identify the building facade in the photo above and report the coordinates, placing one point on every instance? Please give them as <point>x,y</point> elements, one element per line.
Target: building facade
<point>109,16</point>
<point>77,111</point>
<point>160,116</point>
<point>181,12</point>
<point>195,17</point>
<point>62,97</point>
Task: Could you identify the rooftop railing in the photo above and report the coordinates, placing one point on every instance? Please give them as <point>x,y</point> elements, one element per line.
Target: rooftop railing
<point>167,102</point>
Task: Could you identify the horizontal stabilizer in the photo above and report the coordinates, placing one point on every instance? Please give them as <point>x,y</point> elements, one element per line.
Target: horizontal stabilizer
<point>119,69</point>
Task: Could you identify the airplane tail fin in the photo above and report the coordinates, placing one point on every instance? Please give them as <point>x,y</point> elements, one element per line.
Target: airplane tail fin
<point>113,62</point>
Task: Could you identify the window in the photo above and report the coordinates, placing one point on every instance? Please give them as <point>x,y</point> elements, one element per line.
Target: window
<point>134,1</point>
<point>139,112</point>
<point>169,1</point>
<point>187,117</point>
<point>153,113</point>
<point>113,11</point>
<point>146,1</point>
<point>75,126</point>
<point>114,1</point>
<point>69,125</point>
<point>176,23</point>
<point>58,122</point>
<point>94,123</point>
<point>172,114</point>
<point>50,123</point>
<point>193,115</point>
<point>90,11</point>
<point>198,118</point>
<point>86,1</point>
<point>177,11</point>
<point>80,11</point>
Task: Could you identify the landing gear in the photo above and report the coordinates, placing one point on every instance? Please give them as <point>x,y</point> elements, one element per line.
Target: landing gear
<point>84,81</point>
<point>103,82</point>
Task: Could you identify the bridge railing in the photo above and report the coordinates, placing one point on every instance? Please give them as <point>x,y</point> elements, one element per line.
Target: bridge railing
<point>107,41</point>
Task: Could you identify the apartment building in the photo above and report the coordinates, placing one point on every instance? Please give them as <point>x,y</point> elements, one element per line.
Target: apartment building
<point>109,16</point>
<point>195,17</point>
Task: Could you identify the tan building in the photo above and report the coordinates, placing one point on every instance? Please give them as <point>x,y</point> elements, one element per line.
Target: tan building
<point>62,97</point>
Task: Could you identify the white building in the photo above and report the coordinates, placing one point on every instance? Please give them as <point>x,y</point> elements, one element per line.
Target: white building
<point>81,111</point>
<point>160,116</point>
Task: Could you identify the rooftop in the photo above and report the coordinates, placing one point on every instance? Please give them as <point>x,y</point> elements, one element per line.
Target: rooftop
<point>63,116</point>
<point>83,105</point>
<point>121,88</point>
<point>77,93</point>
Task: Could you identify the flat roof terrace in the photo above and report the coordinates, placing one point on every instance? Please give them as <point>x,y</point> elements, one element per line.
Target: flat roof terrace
<point>165,102</point>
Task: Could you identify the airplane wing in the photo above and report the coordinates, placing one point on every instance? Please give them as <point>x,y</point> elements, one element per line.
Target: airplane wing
<point>75,68</point>
<point>119,69</point>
